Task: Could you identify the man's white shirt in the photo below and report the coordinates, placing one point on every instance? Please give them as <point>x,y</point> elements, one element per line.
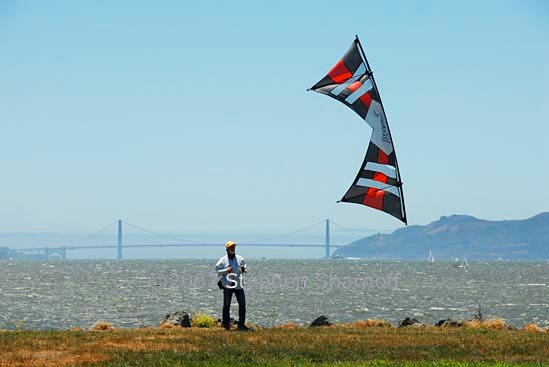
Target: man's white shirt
<point>234,277</point>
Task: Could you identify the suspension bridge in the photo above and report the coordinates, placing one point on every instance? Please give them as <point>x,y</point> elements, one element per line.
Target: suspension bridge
<point>60,252</point>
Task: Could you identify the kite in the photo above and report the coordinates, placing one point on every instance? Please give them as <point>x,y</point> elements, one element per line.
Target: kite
<point>377,184</point>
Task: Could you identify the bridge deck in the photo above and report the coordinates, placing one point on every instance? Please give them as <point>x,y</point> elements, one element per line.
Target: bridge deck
<point>168,245</point>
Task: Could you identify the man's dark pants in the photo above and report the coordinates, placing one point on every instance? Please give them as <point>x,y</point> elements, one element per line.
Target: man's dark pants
<point>241,298</point>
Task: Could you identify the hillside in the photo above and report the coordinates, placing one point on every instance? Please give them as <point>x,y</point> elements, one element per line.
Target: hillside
<point>459,235</point>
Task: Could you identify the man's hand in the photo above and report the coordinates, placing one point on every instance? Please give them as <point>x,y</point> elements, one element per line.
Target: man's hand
<point>229,269</point>
<point>242,269</point>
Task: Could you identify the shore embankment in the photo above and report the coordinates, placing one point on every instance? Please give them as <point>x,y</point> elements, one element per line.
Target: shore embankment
<point>367,342</point>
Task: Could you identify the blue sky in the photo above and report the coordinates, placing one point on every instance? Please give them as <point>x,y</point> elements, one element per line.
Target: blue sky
<point>193,116</point>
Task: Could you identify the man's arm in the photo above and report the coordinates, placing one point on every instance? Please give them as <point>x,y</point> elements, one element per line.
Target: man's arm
<point>221,268</point>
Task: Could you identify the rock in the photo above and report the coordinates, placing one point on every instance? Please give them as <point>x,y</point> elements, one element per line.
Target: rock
<point>166,316</point>
<point>441,322</point>
<point>178,318</point>
<point>408,322</point>
<point>320,321</point>
<point>449,323</point>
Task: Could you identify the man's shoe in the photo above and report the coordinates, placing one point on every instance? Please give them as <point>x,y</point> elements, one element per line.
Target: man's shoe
<point>227,326</point>
<point>243,327</point>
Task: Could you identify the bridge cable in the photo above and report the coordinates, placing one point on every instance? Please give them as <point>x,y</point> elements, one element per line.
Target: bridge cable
<point>347,230</point>
<point>93,234</point>
<point>161,235</point>
<point>283,235</point>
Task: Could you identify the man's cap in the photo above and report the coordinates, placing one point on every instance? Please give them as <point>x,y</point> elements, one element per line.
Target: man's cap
<point>229,244</point>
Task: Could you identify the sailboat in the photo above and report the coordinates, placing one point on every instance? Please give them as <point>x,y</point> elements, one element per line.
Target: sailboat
<point>463,265</point>
<point>431,257</point>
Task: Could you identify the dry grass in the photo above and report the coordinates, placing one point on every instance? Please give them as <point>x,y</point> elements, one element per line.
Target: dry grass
<point>533,328</point>
<point>492,324</point>
<point>287,344</point>
<point>166,325</point>
<point>288,325</point>
<point>101,326</point>
<point>369,323</point>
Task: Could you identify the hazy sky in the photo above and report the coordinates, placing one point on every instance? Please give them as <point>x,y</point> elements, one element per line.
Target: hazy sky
<point>189,116</point>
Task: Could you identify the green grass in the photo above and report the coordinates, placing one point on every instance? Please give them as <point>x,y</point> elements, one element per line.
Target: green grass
<point>339,346</point>
<point>171,359</point>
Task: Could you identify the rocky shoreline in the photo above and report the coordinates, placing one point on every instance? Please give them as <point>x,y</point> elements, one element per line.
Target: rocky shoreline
<point>183,319</point>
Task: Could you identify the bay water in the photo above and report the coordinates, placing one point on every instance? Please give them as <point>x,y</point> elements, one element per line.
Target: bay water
<point>133,293</point>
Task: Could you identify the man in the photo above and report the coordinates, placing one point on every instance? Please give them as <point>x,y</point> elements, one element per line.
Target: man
<point>230,268</point>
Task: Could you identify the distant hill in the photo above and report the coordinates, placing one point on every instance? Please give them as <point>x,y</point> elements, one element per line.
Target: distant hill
<point>457,236</point>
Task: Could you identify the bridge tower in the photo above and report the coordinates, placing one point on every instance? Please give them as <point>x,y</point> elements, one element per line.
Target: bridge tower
<point>119,257</point>
<point>327,243</point>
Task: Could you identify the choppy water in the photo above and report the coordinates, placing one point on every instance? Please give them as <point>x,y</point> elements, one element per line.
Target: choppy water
<point>57,295</point>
